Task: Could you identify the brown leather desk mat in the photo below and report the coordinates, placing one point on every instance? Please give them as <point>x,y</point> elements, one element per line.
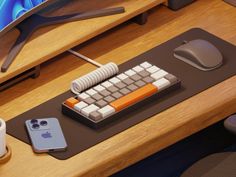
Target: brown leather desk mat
<point>79,137</point>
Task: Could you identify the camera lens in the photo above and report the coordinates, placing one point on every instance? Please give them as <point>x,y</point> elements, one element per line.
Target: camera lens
<point>34,121</point>
<point>35,126</point>
<point>43,123</point>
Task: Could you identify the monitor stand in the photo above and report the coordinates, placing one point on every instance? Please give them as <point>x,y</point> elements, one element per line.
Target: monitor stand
<point>28,26</point>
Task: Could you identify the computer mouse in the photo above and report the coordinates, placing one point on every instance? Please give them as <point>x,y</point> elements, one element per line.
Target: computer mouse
<point>200,54</point>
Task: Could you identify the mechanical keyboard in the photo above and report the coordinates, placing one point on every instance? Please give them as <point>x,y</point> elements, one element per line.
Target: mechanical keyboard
<point>119,95</point>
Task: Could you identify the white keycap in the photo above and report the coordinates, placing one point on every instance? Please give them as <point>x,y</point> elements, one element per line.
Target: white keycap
<point>145,65</point>
<point>99,88</point>
<point>79,106</point>
<point>138,69</point>
<point>153,69</point>
<point>106,84</point>
<point>87,110</point>
<point>83,96</point>
<point>106,111</point>
<point>130,72</point>
<point>122,76</point>
<point>91,92</point>
<point>114,80</point>
<point>159,74</point>
<point>161,84</point>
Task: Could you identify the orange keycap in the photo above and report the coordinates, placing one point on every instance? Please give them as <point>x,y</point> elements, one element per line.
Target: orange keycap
<point>71,102</point>
<point>134,97</point>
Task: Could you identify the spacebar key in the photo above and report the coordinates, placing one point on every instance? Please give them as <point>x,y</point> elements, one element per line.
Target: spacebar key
<point>134,97</point>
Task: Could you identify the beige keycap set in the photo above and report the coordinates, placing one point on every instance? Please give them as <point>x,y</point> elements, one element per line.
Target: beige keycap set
<point>106,99</point>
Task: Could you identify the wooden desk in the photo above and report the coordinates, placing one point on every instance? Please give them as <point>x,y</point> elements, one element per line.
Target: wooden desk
<point>146,138</point>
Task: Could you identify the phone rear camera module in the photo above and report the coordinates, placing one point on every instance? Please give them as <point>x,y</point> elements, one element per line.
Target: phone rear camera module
<point>43,123</point>
<point>35,126</point>
<point>34,121</point>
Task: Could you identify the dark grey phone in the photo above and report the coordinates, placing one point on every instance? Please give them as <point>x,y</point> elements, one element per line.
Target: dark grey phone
<point>46,135</point>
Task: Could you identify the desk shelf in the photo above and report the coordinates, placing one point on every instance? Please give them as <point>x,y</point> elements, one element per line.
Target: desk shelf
<point>48,42</point>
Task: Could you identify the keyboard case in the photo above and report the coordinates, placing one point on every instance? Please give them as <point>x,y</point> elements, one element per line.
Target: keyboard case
<point>72,113</point>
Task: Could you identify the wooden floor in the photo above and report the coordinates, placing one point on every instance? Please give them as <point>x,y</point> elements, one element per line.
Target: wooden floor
<point>120,45</point>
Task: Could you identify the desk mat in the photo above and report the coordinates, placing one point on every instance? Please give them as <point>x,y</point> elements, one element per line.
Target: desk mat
<point>80,137</point>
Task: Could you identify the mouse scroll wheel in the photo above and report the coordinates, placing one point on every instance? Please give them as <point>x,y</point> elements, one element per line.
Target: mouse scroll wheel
<point>184,42</point>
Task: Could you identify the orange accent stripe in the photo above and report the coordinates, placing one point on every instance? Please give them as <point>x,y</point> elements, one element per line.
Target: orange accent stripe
<point>71,102</point>
<point>134,97</point>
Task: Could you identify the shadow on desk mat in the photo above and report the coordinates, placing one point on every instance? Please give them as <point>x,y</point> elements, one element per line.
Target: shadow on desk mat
<point>79,137</point>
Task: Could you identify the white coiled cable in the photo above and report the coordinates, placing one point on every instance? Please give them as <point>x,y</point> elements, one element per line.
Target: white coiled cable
<point>102,73</point>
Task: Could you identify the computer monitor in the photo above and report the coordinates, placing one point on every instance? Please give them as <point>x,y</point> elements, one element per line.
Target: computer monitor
<point>22,15</point>
<point>12,12</point>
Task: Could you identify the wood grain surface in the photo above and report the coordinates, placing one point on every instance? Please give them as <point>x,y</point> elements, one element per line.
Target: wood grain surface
<point>120,45</point>
<point>50,41</point>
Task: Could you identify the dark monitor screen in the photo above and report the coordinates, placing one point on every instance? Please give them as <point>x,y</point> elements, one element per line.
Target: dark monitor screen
<point>12,12</point>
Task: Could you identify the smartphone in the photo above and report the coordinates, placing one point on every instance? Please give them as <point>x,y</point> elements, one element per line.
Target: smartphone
<point>46,135</point>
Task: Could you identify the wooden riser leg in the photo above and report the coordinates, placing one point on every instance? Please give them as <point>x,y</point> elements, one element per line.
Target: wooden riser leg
<point>33,73</point>
<point>141,19</point>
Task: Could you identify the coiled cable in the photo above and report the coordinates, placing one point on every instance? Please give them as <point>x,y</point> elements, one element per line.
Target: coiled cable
<point>102,73</point>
